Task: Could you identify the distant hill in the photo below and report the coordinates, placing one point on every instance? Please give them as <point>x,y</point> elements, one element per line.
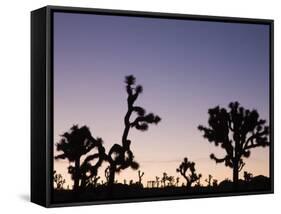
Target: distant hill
<point>257,183</point>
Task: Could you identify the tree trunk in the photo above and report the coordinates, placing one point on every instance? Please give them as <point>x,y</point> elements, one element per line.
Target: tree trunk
<point>83,182</point>
<point>188,184</point>
<point>235,165</point>
<point>76,174</point>
<point>111,179</point>
<point>235,174</point>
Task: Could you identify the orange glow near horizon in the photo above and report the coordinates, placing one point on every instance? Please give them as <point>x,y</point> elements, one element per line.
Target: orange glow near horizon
<point>155,160</point>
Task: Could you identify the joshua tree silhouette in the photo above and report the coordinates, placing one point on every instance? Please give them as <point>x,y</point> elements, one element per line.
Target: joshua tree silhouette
<point>248,176</point>
<point>92,182</point>
<point>215,182</point>
<point>177,181</point>
<point>140,175</point>
<point>237,131</point>
<point>209,180</point>
<point>183,169</point>
<point>58,180</point>
<point>171,180</point>
<point>76,143</point>
<point>121,157</point>
<point>157,181</point>
<point>164,178</point>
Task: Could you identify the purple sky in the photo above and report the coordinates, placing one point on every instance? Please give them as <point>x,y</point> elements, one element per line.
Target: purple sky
<point>185,67</point>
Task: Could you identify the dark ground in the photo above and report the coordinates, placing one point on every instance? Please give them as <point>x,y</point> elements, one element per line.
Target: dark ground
<point>121,191</point>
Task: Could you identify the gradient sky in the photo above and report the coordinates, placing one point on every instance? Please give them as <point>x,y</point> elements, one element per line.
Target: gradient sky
<point>185,68</point>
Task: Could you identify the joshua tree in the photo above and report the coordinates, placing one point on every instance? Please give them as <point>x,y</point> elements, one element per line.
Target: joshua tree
<point>140,175</point>
<point>171,180</point>
<point>237,131</point>
<point>164,178</point>
<point>157,181</point>
<point>76,143</point>
<point>58,180</point>
<point>121,157</point>
<point>215,182</point>
<point>183,169</point>
<point>177,181</point>
<point>92,182</point>
<point>209,180</point>
<point>248,176</point>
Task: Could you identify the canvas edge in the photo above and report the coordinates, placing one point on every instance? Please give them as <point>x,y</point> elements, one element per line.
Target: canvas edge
<point>38,108</point>
<point>49,95</point>
<point>159,14</point>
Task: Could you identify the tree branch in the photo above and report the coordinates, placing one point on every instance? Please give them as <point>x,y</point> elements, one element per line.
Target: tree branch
<point>218,160</point>
<point>251,140</point>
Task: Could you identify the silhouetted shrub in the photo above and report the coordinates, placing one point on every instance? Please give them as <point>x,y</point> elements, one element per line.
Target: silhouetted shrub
<point>58,181</point>
<point>248,176</point>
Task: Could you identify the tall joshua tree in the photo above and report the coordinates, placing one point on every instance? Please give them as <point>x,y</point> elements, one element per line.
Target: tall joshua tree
<point>237,131</point>
<point>121,157</point>
<point>73,145</point>
<point>191,177</point>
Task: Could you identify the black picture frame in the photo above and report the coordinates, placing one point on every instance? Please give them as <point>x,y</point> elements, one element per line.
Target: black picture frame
<point>42,99</point>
